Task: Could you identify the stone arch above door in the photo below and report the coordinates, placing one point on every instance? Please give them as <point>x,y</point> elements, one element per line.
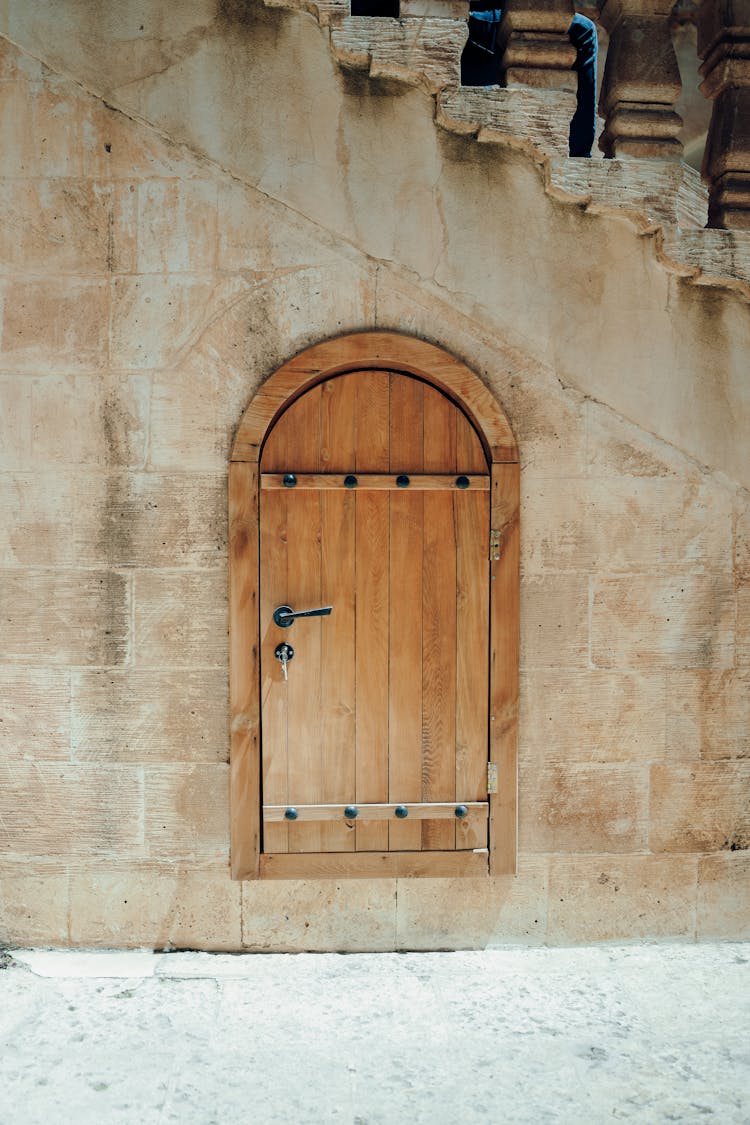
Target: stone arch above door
<point>493,537</point>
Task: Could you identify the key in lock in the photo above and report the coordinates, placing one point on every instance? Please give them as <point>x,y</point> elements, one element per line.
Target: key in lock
<point>284,652</point>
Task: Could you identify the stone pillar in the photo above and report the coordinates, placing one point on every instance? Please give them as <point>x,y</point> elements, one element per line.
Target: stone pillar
<point>534,40</point>
<point>724,46</point>
<point>641,81</point>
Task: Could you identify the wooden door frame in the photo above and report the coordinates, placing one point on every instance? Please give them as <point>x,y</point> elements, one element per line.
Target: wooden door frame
<point>365,351</point>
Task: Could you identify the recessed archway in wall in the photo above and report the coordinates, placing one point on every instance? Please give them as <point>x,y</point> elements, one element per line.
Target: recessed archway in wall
<point>373,509</point>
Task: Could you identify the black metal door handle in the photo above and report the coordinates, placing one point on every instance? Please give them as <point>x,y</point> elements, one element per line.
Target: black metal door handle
<point>285,616</point>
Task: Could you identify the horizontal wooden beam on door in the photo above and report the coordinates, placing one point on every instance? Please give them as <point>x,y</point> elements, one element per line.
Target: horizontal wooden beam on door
<point>373,865</point>
<point>432,810</point>
<point>378,482</point>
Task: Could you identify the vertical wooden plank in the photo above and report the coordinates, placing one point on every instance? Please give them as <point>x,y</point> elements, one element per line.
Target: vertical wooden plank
<point>405,601</point>
<point>274,691</point>
<point>338,745</point>
<point>244,670</point>
<point>472,654</point>
<point>304,592</point>
<point>504,641</point>
<point>470,456</point>
<point>439,622</point>
<point>273,592</point>
<point>372,606</point>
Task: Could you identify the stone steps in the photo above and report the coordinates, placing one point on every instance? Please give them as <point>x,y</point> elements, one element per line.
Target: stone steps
<point>423,49</point>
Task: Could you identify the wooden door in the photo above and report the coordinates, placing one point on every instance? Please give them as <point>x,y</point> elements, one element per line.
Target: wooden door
<point>374,500</point>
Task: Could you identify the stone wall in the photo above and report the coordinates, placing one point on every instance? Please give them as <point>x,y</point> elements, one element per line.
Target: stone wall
<point>153,272</point>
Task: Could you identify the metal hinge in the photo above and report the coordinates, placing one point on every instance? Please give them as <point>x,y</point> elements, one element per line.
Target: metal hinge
<point>495,540</point>
<point>491,778</point>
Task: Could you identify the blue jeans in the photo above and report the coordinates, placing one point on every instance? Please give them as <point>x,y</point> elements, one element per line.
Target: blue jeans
<point>480,66</point>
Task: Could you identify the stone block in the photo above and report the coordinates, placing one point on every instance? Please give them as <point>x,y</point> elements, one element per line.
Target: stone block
<point>39,124</point>
<point>637,525</point>
<point>34,713</point>
<point>703,807</point>
<point>622,898</point>
<point>708,714</point>
<point>724,897</point>
<point>50,810</point>
<point>654,622</point>
<point>114,147</point>
<point>33,908</point>
<point>15,422</point>
<point>36,528</point>
<point>55,325</point>
<point>90,420</point>
<point>554,622</point>
<point>474,913</point>
<point>177,222</point>
<point>156,907</point>
<point>743,624</point>
<point>742,537</point>
<point>67,226</point>
<point>150,716</point>
<point>617,448</point>
<point>583,808</point>
<point>152,520</point>
<point>181,620</point>
<point>64,617</point>
<point>351,916</point>
<point>156,318</point>
<point>187,811</point>
<point>582,715</point>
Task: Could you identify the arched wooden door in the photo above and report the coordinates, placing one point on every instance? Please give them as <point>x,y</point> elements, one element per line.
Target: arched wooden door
<point>372,495</point>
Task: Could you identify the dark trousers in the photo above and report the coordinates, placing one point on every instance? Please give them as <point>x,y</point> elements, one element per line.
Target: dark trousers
<point>480,66</point>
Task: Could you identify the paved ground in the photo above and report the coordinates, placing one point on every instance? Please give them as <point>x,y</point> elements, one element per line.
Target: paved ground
<point>585,1035</point>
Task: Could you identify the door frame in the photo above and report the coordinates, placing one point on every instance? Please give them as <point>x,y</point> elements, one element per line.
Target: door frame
<point>365,351</point>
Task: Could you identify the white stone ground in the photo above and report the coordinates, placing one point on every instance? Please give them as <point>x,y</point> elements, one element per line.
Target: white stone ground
<point>636,1033</point>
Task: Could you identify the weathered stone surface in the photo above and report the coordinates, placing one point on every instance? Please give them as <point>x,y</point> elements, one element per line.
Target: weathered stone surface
<point>156,318</point>
<point>742,536</point>
<point>187,811</point>
<point>90,420</point>
<point>34,713</point>
<point>15,422</point>
<point>640,622</point>
<point>78,227</point>
<point>554,611</point>
<point>59,810</point>
<point>180,619</point>
<point>176,226</point>
<point>630,525</point>
<point>159,907</point>
<point>37,525</point>
<point>33,908</point>
<point>581,715</point>
<point>151,716</point>
<point>702,807</point>
<point>723,902</point>
<point>64,617</point>
<point>708,714</point>
<point>60,324</point>
<point>473,913</point>
<point>743,624</point>
<point>296,916</point>
<point>583,808</point>
<point>422,50</point>
<point>606,898</point>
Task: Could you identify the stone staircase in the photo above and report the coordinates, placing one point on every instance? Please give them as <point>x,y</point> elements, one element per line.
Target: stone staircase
<point>423,48</point>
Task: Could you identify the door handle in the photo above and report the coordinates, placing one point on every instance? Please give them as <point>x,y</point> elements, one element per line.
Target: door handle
<point>285,616</point>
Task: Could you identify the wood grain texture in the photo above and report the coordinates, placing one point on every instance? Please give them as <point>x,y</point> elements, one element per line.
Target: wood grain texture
<point>504,652</point>
<point>372,605</point>
<point>422,810</point>
<point>362,351</point>
<point>381,482</point>
<point>378,422</point>
<point>374,865</point>
<point>244,659</point>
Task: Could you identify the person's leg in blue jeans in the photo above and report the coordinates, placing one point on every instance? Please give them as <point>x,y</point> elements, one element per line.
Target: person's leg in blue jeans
<point>480,66</point>
<point>582,34</point>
